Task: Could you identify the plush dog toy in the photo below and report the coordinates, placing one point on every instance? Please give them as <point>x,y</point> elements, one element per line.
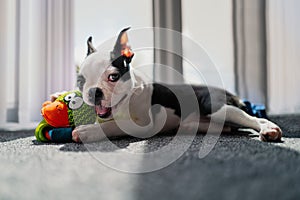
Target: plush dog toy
<point>62,116</point>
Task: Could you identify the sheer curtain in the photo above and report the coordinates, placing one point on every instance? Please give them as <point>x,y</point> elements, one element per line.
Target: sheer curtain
<point>267,46</point>
<point>250,49</point>
<point>36,45</point>
<point>283,30</point>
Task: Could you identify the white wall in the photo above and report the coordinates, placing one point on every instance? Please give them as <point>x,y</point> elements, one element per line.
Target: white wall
<point>104,19</point>
<point>209,23</point>
<point>206,22</point>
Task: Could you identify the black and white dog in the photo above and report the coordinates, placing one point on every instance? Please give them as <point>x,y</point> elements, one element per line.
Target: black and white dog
<point>108,83</point>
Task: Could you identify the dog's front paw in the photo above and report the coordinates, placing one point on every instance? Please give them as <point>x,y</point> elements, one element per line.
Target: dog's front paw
<point>75,136</point>
<point>270,132</point>
<point>87,133</point>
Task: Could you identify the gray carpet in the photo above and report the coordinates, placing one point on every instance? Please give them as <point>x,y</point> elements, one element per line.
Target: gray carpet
<point>239,167</point>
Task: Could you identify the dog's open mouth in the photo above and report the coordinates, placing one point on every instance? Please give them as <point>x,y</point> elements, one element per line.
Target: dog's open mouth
<point>103,112</point>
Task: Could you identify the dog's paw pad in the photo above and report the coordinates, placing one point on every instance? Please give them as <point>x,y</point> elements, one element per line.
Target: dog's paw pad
<point>273,133</point>
<point>75,136</point>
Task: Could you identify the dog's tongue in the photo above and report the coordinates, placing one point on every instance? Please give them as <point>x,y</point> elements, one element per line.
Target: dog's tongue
<point>102,111</point>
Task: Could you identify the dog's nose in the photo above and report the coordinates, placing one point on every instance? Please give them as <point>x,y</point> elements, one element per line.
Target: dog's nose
<point>95,95</point>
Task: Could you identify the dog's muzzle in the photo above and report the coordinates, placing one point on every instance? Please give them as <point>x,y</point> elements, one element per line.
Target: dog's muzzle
<point>95,97</point>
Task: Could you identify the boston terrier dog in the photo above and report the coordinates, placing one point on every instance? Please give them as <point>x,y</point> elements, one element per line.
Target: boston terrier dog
<point>126,104</point>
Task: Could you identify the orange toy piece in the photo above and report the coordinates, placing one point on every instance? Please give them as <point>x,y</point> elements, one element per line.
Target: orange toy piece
<point>56,113</point>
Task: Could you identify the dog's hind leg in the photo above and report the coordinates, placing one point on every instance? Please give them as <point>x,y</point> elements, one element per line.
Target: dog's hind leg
<point>204,124</point>
<point>268,130</point>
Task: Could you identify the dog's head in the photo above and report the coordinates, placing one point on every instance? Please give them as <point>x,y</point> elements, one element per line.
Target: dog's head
<point>99,75</point>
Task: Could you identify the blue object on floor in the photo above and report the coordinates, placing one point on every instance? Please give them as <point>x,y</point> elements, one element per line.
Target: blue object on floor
<point>258,110</point>
<point>61,135</point>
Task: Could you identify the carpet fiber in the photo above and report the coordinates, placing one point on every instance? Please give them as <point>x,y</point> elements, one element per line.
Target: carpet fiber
<point>239,167</point>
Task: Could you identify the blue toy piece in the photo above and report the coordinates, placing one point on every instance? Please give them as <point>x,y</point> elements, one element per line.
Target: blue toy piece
<point>61,135</point>
<point>256,110</point>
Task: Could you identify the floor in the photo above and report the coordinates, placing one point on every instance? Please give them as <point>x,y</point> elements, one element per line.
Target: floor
<point>238,167</point>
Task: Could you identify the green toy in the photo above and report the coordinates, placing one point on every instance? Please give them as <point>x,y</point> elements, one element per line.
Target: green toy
<point>62,116</point>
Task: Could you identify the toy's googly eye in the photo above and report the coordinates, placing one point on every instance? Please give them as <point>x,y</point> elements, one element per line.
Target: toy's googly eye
<point>69,97</point>
<point>75,103</point>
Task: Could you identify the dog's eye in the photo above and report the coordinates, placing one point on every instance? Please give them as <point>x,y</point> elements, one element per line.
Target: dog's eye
<point>113,77</point>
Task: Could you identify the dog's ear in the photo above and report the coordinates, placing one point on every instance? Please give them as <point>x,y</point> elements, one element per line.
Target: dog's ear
<point>121,48</point>
<point>91,49</point>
